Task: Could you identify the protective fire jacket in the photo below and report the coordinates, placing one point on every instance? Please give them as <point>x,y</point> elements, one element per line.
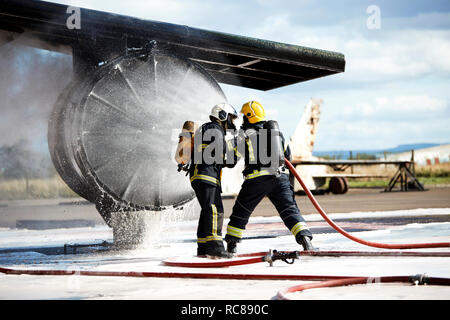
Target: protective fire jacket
<point>208,156</point>
<point>253,166</point>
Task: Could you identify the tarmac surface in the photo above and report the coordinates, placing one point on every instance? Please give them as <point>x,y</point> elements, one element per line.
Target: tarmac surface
<point>76,212</point>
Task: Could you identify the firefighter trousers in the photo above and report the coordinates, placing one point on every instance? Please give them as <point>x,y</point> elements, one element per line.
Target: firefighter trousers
<point>209,231</point>
<point>280,192</point>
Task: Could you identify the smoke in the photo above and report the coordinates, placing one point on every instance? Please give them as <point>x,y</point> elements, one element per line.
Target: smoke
<point>31,80</point>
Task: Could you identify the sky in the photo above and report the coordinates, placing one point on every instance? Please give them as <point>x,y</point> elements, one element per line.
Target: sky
<point>395,89</point>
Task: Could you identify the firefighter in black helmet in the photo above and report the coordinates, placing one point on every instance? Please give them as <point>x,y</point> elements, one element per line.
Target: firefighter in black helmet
<point>205,176</point>
<point>265,178</point>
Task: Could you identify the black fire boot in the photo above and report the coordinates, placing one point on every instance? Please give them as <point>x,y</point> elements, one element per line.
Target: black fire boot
<point>231,243</point>
<point>305,241</point>
<point>215,249</point>
<point>201,249</point>
<point>231,246</point>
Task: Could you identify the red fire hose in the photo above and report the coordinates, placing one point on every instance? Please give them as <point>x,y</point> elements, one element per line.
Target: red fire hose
<point>418,279</point>
<point>257,257</point>
<point>282,294</point>
<point>346,234</point>
<point>326,280</point>
<point>193,275</point>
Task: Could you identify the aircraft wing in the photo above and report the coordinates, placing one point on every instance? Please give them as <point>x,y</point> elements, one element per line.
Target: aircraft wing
<point>231,59</point>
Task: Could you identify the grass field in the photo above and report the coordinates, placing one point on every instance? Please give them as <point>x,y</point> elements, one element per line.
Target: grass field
<point>15,189</point>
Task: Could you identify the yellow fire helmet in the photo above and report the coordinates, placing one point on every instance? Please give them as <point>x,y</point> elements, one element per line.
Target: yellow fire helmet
<point>253,111</point>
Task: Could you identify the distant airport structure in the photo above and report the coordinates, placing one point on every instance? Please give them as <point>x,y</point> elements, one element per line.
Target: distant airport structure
<point>426,156</point>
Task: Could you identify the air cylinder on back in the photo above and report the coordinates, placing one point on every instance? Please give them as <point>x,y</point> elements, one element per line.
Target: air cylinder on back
<point>275,148</point>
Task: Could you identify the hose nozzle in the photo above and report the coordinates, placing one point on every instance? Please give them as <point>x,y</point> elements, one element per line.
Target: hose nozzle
<point>286,256</point>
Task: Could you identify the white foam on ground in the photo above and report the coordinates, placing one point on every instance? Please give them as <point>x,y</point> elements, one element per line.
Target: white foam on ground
<point>149,257</point>
<point>15,238</point>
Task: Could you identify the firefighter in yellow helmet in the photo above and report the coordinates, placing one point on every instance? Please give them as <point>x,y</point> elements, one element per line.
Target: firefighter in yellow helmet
<point>253,112</point>
<point>265,176</point>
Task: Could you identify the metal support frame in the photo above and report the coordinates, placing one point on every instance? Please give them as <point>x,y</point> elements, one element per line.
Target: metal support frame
<point>402,174</point>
